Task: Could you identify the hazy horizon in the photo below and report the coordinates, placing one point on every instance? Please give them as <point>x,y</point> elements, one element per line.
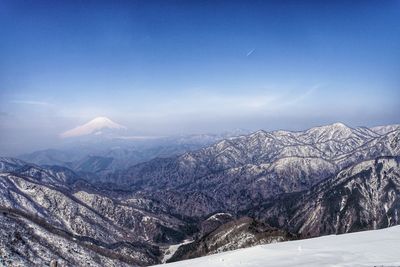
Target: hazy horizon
<point>129,138</point>
<point>171,67</point>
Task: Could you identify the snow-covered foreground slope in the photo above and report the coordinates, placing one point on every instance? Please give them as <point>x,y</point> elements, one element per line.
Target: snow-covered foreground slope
<point>369,248</point>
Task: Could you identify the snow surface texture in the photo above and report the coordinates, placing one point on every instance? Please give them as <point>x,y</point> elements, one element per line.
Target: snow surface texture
<point>369,248</point>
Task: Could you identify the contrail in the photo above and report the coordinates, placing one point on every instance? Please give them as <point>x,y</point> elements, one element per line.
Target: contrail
<point>250,52</point>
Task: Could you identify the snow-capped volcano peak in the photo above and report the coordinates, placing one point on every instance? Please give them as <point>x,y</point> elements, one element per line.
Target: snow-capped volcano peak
<point>94,126</point>
<point>104,122</point>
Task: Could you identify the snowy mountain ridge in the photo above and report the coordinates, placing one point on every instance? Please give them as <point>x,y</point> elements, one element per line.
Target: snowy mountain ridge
<point>255,167</point>
<point>253,189</point>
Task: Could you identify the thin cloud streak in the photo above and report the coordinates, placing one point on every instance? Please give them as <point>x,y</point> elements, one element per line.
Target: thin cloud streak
<point>303,96</point>
<point>31,102</point>
<point>141,137</point>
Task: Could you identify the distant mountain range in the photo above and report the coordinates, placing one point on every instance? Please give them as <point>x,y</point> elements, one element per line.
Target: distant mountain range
<point>239,191</point>
<point>94,156</point>
<point>236,173</point>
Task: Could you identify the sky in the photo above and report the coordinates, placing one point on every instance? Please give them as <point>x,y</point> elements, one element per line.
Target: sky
<point>182,67</point>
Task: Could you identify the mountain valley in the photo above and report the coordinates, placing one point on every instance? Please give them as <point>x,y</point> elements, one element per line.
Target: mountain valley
<point>254,189</point>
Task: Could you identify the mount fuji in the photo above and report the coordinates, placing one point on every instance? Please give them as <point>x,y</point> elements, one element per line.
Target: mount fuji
<point>96,126</point>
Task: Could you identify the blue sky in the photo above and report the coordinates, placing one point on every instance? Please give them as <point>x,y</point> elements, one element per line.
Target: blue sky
<point>176,67</point>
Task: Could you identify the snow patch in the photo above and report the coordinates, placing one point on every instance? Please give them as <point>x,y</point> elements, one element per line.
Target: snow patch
<point>368,248</point>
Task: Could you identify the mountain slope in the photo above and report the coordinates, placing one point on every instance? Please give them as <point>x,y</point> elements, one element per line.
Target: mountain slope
<point>24,242</point>
<point>54,200</point>
<point>259,188</point>
<point>233,172</point>
<point>370,248</point>
<point>117,153</point>
<point>361,197</point>
<point>241,233</point>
